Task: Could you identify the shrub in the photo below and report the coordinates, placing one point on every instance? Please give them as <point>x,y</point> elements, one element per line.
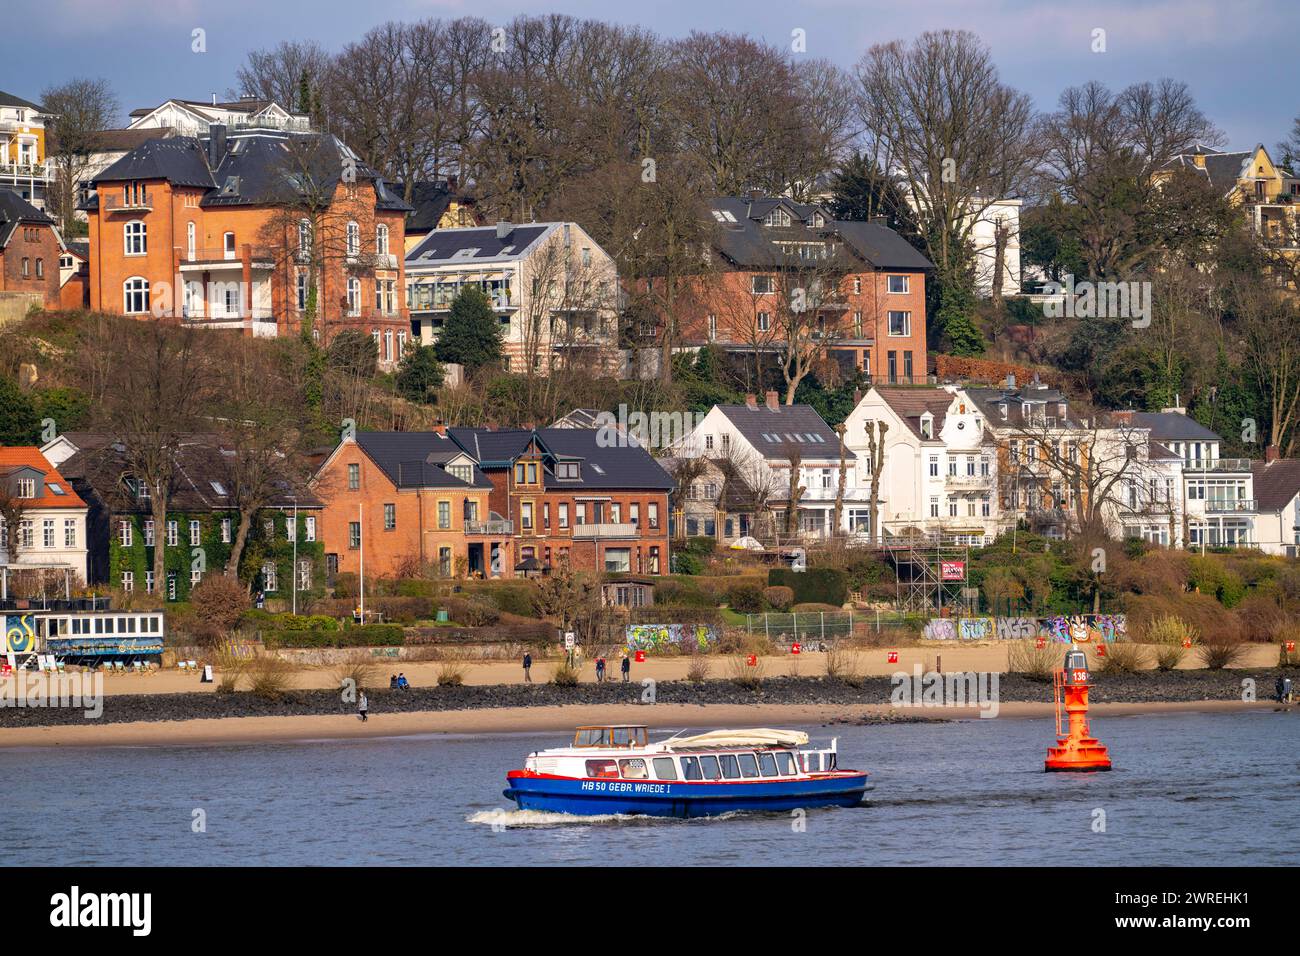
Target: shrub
<point>451,672</point>
<point>667,614</point>
<point>509,599</point>
<point>1169,656</point>
<point>1219,652</point>
<point>360,669</point>
<point>745,598</point>
<point>404,610</point>
<point>816,609</point>
<point>220,601</point>
<point>268,677</point>
<point>698,670</point>
<point>365,635</point>
<point>778,598</point>
<point>841,663</point>
<point>816,585</point>
<point>1123,657</point>
<point>472,613</point>
<point>1167,629</point>
<point>346,585</point>
<point>681,594</point>
<point>565,676</point>
<point>746,675</point>
<point>1034,662</point>
<point>684,563</point>
<point>700,546</point>
<point>229,669</point>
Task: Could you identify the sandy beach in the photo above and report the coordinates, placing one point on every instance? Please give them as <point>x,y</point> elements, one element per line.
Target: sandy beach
<point>534,720</point>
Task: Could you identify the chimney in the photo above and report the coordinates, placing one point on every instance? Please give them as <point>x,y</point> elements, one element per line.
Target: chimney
<point>1011,380</point>
<point>751,401</point>
<point>214,99</point>
<point>440,428</point>
<point>216,144</point>
<point>772,403</point>
<point>503,230</point>
<point>857,397</point>
<point>1270,453</point>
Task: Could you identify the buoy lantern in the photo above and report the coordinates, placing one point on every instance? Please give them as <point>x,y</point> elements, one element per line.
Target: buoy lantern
<point>1076,749</point>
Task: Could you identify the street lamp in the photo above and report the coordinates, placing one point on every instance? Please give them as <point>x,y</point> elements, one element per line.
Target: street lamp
<point>294,570</point>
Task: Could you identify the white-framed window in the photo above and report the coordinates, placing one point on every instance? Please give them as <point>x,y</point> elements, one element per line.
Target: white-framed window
<point>194,534</point>
<point>564,515</point>
<point>69,532</point>
<point>47,533</point>
<point>25,533</point>
<point>301,289</point>
<point>900,323</point>
<point>148,532</point>
<point>173,534</point>
<point>713,327</point>
<point>128,581</point>
<point>192,305</point>
<point>304,574</point>
<point>309,531</point>
<point>225,531</point>
<point>381,239</point>
<point>135,295</point>
<point>857,285</point>
<point>934,507</point>
<point>40,268</point>
<point>26,487</point>
<point>899,284</point>
<point>354,296</point>
<point>135,238</point>
<point>269,580</point>
<point>764,321</point>
<point>124,535</point>
<point>389,354</point>
<point>304,237</point>
<point>952,507</point>
<point>228,245</point>
<point>148,582</point>
<point>353,239</point>
<point>190,241</point>
<point>934,466</point>
<point>761,285</point>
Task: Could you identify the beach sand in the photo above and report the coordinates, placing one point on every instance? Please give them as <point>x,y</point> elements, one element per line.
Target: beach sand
<point>533,720</point>
<point>873,662</point>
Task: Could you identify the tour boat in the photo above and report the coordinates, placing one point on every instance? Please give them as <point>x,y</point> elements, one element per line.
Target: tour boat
<point>615,770</point>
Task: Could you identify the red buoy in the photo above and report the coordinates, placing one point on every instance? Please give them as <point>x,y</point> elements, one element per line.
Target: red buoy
<point>1076,749</point>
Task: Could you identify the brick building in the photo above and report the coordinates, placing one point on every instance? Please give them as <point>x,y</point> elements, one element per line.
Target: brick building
<point>571,499</point>
<point>409,503</point>
<point>261,231</point>
<point>30,247</point>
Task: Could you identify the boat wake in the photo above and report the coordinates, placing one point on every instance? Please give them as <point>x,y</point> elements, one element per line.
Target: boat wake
<point>525,819</point>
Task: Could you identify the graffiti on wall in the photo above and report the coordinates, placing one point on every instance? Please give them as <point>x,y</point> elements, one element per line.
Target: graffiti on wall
<point>20,634</point>
<point>1063,629</point>
<point>646,637</point>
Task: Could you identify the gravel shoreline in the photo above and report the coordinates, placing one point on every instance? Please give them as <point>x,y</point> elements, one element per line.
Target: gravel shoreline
<point>1146,687</point>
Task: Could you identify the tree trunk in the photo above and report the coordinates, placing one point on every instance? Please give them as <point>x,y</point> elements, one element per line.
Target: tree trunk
<point>158,509</point>
<point>241,539</point>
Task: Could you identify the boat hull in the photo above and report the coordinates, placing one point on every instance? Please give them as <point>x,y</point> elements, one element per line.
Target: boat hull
<point>582,797</point>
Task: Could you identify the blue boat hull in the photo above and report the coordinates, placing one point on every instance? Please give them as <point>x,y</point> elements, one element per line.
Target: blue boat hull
<point>652,798</point>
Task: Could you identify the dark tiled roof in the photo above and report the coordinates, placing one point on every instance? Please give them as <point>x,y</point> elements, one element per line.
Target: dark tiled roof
<point>180,160</point>
<point>988,399</point>
<point>1173,426</point>
<point>775,432</point>
<point>14,209</point>
<point>881,246</point>
<point>123,140</point>
<point>617,467</point>
<point>202,476</point>
<point>415,459</point>
<point>1276,482</point>
<point>429,201</point>
<point>454,245</point>
<point>8,99</point>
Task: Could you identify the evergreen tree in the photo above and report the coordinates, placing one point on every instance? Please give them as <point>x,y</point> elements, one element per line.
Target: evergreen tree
<point>18,422</point>
<point>420,374</point>
<point>471,336</point>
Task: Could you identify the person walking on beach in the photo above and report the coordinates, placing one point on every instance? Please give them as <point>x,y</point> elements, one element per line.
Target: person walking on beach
<point>363,707</point>
<point>627,668</point>
<point>600,670</point>
<point>528,668</point>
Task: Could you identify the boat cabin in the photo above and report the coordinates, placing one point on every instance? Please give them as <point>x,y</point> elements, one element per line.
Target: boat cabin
<point>614,735</point>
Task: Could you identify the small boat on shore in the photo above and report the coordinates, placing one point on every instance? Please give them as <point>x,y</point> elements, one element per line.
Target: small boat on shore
<point>614,769</point>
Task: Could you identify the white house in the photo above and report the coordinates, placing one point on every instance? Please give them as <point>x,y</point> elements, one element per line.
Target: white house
<point>554,289</point>
<point>939,472</point>
<point>1277,502</point>
<point>763,440</point>
<point>50,516</point>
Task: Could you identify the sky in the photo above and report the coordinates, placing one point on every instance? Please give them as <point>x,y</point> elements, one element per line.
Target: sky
<point>1237,57</point>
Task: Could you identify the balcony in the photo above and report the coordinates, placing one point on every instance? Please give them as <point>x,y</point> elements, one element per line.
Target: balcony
<point>608,530</point>
<point>495,526</point>
<point>116,202</point>
<point>218,257</point>
<point>1241,465</point>
<point>969,482</point>
<point>1239,506</point>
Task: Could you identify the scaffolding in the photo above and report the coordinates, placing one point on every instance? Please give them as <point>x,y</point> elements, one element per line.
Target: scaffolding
<point>919,585</point>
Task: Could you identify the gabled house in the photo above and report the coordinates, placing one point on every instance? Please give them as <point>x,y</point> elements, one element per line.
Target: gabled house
<point>201,525</point>
<point>713,500</point>
<point>572,495</point>
<point>1277,506</point>
<point>436,205</point>
<point>553,288</point>
<point>771,257</point>
<point>1265,191</point>
<point>24,167</point>
<point>266,232</point>
<point>30,250</point>
<point>409,502</point>
<point>49,515</point>
<point>783,451</point>
<point>939,471</point>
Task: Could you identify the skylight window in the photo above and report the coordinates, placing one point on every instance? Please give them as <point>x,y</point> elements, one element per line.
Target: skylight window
<point>219,488</point>
<point>55,488</point>
<point>597,469</point>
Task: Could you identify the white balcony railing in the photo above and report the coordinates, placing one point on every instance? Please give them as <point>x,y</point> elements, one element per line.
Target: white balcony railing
<point>1239,506</point>
<point>491,526</point>
<point>625,529</point>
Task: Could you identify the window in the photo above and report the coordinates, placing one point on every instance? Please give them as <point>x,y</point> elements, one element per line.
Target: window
<point>148,582</point>
<point>354,297</point>
<point>709,767</point>
<point>47,533</point>
<point>381,239</point>
<point>190,249</point>
<point>526,515</point>
<point>762,285</point>
<point>195,531</point>
<point>618,559</point>
<point>934,466</point>
<point>195,577</point>
<point>665,768</point>
<point>225,531</point>
<point>444,562</point>
<point>270,581</point>
<point>134,238</point>
<point>228,245</point>
<point>135,295</point>
<point>898,284</point>
<point>40,268</point>
<point>652,514</point>
<point>713,327</point>
<point>301,289</point>
<point>567,470</point>
<point>654,560</point>
<point>27,267</point>
<point>564,515</point>
<point>304,238</point>
<point>309,532</point>
<point>304,574</point>
<point>173,534</point>
<point>390,517</point>
<point>900,323</point>
<point>148,532</point>
<point>354,534</point>
<point>353,239</point>
<point>26,487</point>
<point>764,321</point>
<point>69,533</point>
<point>25,533</point>
<point>128,581</point>
<point>444,515</point>
<point>354,477</point>
<point>857,285</point>
<point>934,507</point>
<point>124,532</point>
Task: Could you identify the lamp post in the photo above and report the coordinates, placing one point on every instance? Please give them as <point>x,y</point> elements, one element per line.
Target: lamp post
<point>294,570</point>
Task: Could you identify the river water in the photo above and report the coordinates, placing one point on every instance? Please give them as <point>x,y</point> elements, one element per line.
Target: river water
<point>1186,789</point>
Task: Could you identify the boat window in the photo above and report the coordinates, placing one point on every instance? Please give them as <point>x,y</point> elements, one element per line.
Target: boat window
<point>602,768</point>
<point>748,765</point>
<point>665,769</point>
<point>633,769</point>
<point>812,762</point>
<point>590,737</point>
<point>785,760</point>
<point>767,763</point>
<point>709,767</point>
<point>690,768</point>
<point>730,770</point>
<point>622,737</point>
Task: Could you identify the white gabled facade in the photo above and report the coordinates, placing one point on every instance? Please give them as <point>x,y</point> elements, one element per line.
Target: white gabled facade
<point>939,474</point>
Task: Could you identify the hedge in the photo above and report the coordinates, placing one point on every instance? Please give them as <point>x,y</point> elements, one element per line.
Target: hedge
<point>814,586</point>
<point>365,635</point>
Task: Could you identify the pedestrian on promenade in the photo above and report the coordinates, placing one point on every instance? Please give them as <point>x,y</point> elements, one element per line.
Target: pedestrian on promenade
<point>528,668</point>
<point>363,707</point>
<point>627,668</point>
<point>600,670</point>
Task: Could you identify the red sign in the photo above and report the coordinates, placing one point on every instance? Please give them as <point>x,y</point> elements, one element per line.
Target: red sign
<point>794,648</point>
<point>893,657</point>
<point>752,660</point>
<point>640,657</point>
<point>1187,642</point>
<point>952,570</point>
<point>1290,647</point>
<point>1101,650</point>
<point>1040,643</point>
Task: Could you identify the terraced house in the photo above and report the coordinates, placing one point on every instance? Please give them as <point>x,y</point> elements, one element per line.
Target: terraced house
<point>262,231</point>
<point>403,503</point>
<point>43,524</point>
<point>23,164</point>
<point>202,522</point>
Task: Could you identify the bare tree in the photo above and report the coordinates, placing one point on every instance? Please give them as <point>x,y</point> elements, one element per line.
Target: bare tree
<point>287,73</point>
<point>876,430</point>
<point>80,110</point>
<point>794,490</point>
<point>1269,327</point>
